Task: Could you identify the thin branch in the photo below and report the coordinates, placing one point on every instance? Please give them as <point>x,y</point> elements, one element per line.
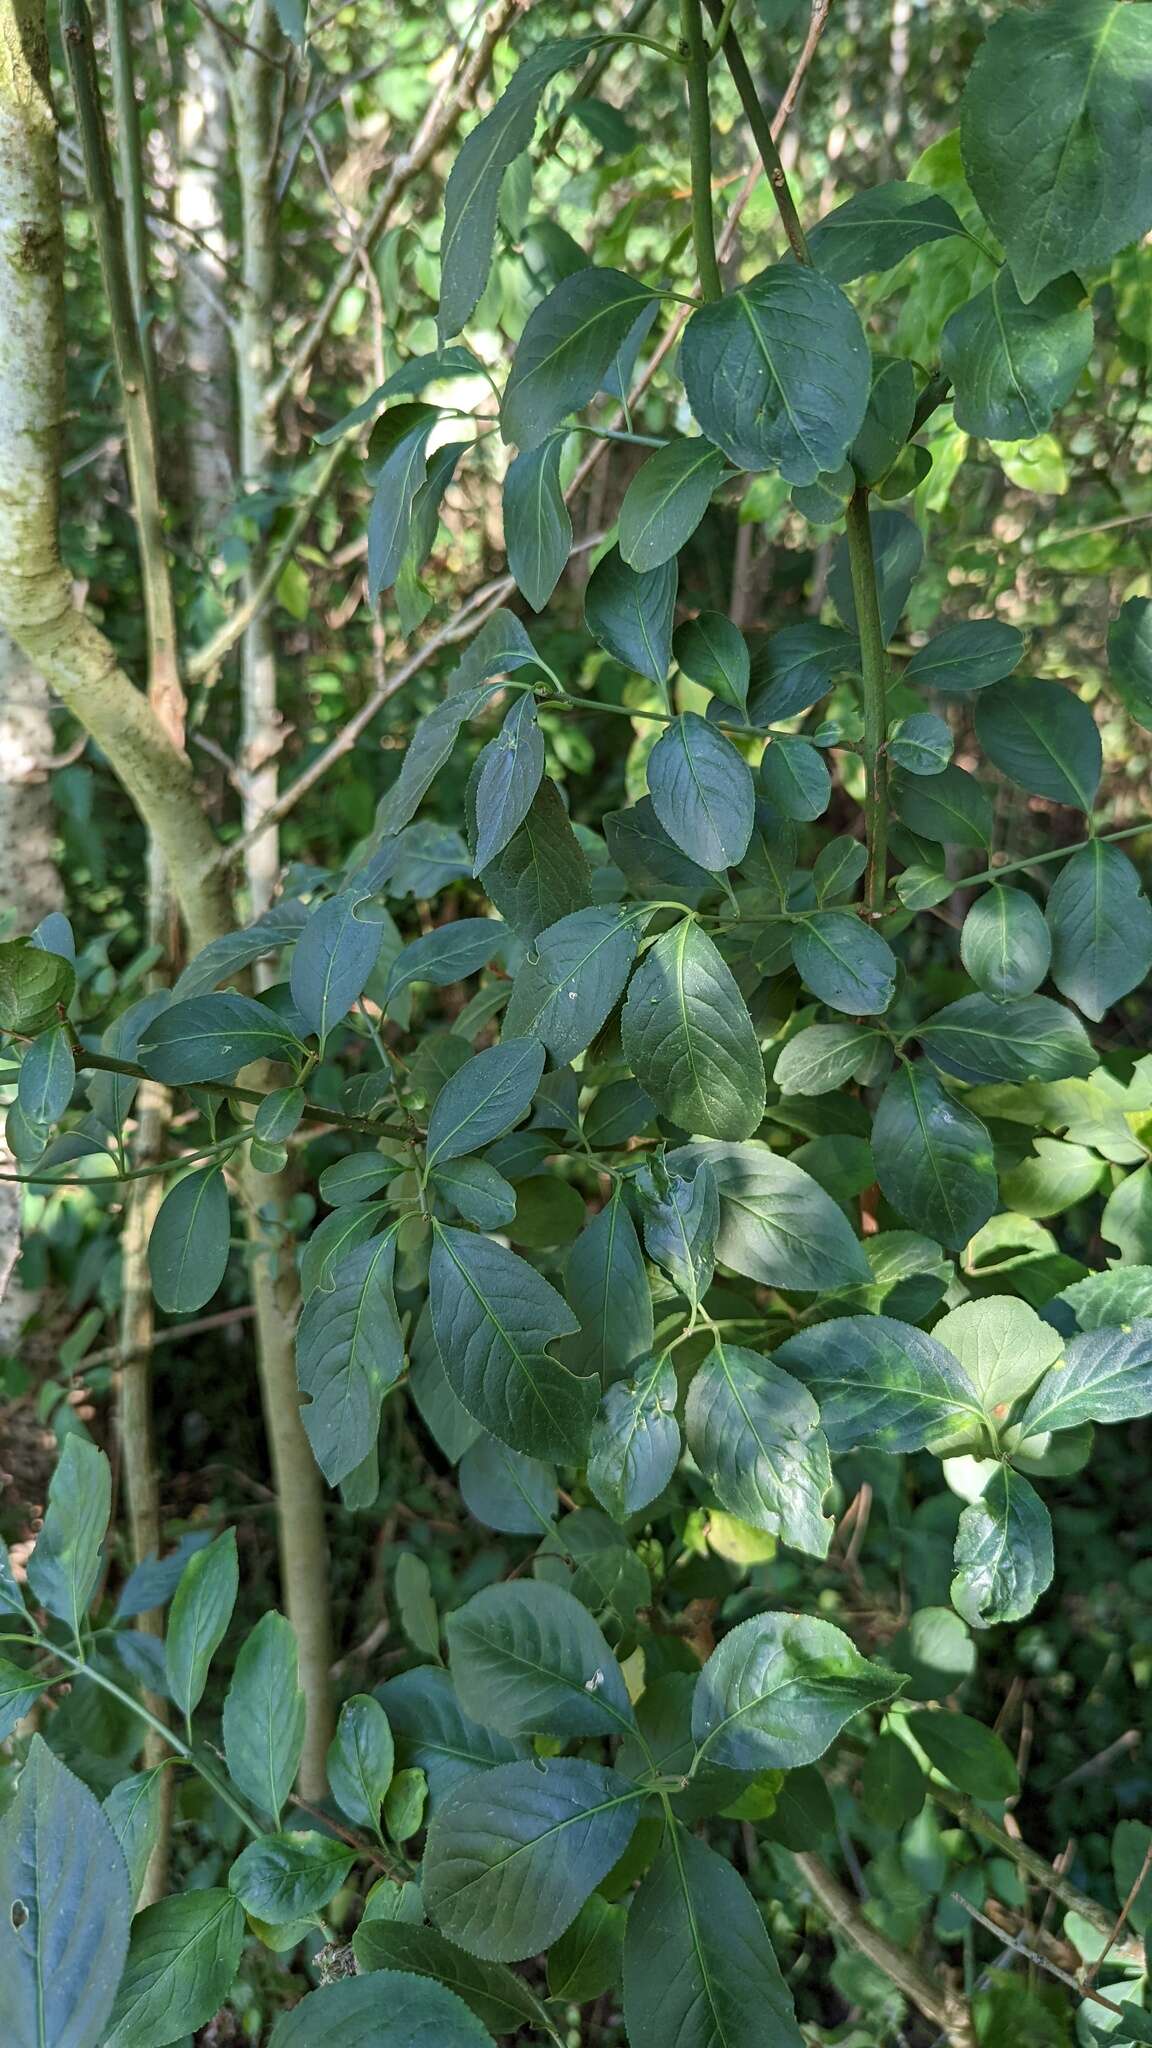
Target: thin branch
<point>935,2000</point>
<point>313,1112</point>
<point>1037,1868</point>
<point>115,1354</point>
<point>208,657</point>
<point>1036,1959</point>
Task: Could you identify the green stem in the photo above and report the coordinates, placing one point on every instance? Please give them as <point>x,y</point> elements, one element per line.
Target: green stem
<point>313,1112</point>
<point>1037,860</point>
<point>700,142</point>
<point>874,674</point>
<point>761,126</point>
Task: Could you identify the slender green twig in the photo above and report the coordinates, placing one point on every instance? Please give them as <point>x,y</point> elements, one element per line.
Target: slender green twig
<point>874,676</point>
<point>700,143</point>
<point>1038,860</point>
<point>758,121</point>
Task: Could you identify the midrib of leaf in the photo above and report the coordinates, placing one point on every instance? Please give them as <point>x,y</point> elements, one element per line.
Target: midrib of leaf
<point>500,1863</point>
<point>576,334</point>
<point>1008,357</point>
<point>678,484</point>
<point>766,354</point>
<point>557,1678</point>
<point>722,2034</point>
<point>1073,128</point>
<point>475,1109</point>
<point>201,1194</point>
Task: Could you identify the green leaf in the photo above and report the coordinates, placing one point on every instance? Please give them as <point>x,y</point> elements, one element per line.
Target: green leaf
<point>795,779</point>
<point>1130,1843</point>
<point>19,1691</point>
<point>201,1610</point>
<point>1029,1038</point>
<point>134,1810</point>
<point>1105,1299</point>
<point>606,1285</point>
<point>920,745</point>
<point>485,1098</point>
<point>493,1316</point>
<point>510,770</point>
<point>33,985</point>
<point>383,2009</point>
<point>714,653</point>
<point>702,792</point>
<point>61,1958</point>
<point>755,1433</point>
<point>629,613</point>
<point>529,1660</point>
<point>680,1216</point>
<point>211,1037</point>
<point>1005,943</point>
<point>402,475</point>
<point>278,1878</point>
<point>495,1994</point>
<point>513,1853</point>
<point>777,373</point>
<point>567,992</point>
<point>967,1753</point>
<point>699,1969</point>
<point>844,963</point>
<point>349,1351</point>
<point>952,807</point>
<point>878,228</point>
<point>414,376</point>
<point>415,1604</point>
<point>934,1159</point>
<point>473,190</point>
<point>793,669</point>
<point>188,1248</point>
<point>1055,134</point>
<point>1106,1376</point>
<point>47,1078</point>
<point>1003,1346</point>
<point>442,957</point>
<point>537,524</point>
<point>650,862</point>
<point>635,1443</point>
<point>897,551</point>
<point>361,1760</point>
<point>331,963</point>
<point>777,1691</point>
<point>434,1733</point>
<point>505,1490</point>
<point>64,1567</point>
<point>666,500</point>
<point>1003,1554</point>
<point>542,875</point>
<point>566,349</point>
<point>475,1191</point>
<point>882,1385</point>
<point>1101,926</point>
<point>892,1785</point>
<point>821,1057</point>
<point>689,1039</point>
<point>1043,737</point>
<point>1014,365</point>
<point>1130,658</point>
<point>182,1962</point>
<point>777,1225</point>
<point>264,1716</point>
<point>586,1961</point>
<point>888,423</point>
<point>967,657</point>
<point>429,748</point>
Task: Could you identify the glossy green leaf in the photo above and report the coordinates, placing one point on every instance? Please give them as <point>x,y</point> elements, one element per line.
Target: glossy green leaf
<point>188,1247</point>
<point>64,1567</point>
<point>1101,926</point>
<point>182,1962</point>
<point>1055,132</point>
<point>198,1620</point>
<point>699,1968</point>
<point>795,780</point>
<point>485,1098</point>
<point>428,749</point>
<point>537,523</point>
<point>510,771</point>
<point>500,1999</point>
<point>793,669</point>
<point>1106,1377</point>
<point>408,381</point>
<point>877,228</point>
<point>1005,943</point>
<point>689,1039</point>
<point>587,1959</point>
<point>920,745</point>
<point>650,862</point>
<point>714,653</point>
<point>47,1078</point>
<point>505,1490</point>
<point>475,1191</point>
<point>286,1877</point>
<point>434,1734</point>
<point>934,1159</point>
<point>1026,1038</point>
<point>565,350</point>
<point>892,1785</point>
<point>1130,658</point>
<point>331,962</point>
<point>134,1809</point>
<point>881,1384</point>
<point>513,1853</point>
<point>20,1688</point>
<point>472,194</point>
<point>844,962</point>
<point>566,993</point>
<point>951,807</point>
<point>821,1057</point>
<point>528,1659</point>
<point>777,1691</point>
<point>402,474</point>
<point>702,792</point>
<point>1043,737</point>
<point>606,1285</point>
<point>629,613</point>
<point>61,1959</point>
<point>449,954</point>
<point>381,2009</point>
<point>635,1443</point>
<point>349,1351</point>
<point>494,1315</point>
<point>210,1038</point>
<point>1003,1346</point>
<point>33,984</point>
<point>1014,365</point>
<point>666,500</point>
<point>967,1753</point>
<point>777,373</point>
<point>361,1760</point>
<point>680,1216</point>
<point>755,1433</point>
<point>777,1225</point>
<point>967,657</point>
<point>264,1716</point>
<point>542,874</point>
<point>888,421</point>
<point>1003,1555</point>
